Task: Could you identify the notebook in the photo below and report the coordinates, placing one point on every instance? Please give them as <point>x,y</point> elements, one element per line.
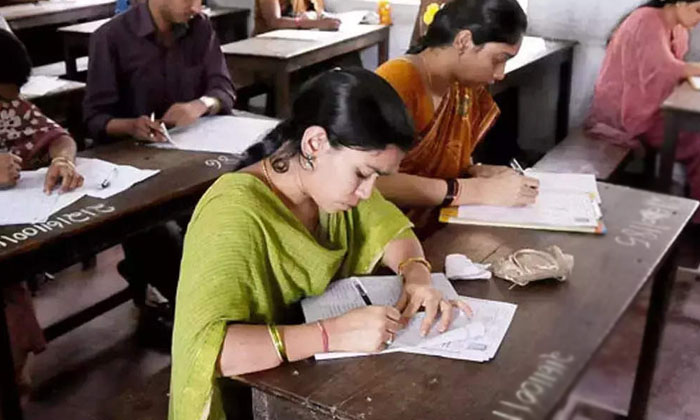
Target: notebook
<point>566,202</point>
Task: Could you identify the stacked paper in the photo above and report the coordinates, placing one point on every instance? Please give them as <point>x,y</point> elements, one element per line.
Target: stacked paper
<point>475,338</point>
<point>490,323</point>
<point>566,202</point>
<point>27,202</point>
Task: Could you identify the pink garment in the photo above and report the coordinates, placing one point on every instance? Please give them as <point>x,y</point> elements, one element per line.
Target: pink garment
<point>642,66</point>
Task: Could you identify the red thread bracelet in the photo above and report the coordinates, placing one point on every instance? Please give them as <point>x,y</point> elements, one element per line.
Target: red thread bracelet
<point>324,336</point>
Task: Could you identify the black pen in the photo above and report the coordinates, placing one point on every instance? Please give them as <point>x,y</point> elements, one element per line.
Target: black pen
<point>363,293</point>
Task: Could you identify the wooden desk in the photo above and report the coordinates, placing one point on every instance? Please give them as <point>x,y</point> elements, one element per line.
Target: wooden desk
<point>276,59</point>
<point>681,112</point>
<point>538,56</point>
<point>230,24</point>
<point>92,225</point>
<point>556,330</point>
<point>55,12</point>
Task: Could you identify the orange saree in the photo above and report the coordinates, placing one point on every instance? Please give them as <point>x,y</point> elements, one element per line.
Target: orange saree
<point>448,134</point>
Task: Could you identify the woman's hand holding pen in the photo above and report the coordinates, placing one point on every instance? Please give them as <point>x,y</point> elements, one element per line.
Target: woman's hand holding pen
<point>367,329</point>
<point>508,190</point>
<point>418,292</point>
<point>146,129</point>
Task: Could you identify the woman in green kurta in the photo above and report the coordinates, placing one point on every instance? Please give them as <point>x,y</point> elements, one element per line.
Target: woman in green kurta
<point>301,212</point>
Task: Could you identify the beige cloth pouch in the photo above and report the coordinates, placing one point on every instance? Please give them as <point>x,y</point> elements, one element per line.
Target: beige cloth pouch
<point>528,265</point>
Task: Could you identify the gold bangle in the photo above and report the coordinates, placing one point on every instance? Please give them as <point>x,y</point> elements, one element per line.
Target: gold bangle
<point>419,260</point>
<point>277,341</point>
<point>64,160</point>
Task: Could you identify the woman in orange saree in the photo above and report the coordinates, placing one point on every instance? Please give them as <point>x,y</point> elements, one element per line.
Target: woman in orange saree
<point>443,82</point>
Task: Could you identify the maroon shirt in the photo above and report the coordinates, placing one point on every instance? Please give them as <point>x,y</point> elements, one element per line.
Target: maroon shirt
<point>131,74</point>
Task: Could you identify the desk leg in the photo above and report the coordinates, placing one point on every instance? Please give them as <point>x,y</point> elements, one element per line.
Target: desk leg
<point>282,86</point>
<point>70,59</point>
<point>653,332</point>
<point>383,49</point>
<point>564,100</point>
<point>11,408</point>
<point>668,151</point>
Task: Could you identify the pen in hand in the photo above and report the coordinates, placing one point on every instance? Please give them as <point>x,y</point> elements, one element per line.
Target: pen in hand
<point>516,166</point>
<point>363,293</point>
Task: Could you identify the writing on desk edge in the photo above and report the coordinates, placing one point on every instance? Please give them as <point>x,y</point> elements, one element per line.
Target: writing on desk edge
<point>550,369</point>
<point>55,222</point>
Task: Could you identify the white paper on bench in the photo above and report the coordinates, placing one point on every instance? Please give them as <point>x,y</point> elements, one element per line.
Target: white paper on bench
<point>566,183</point>
<point>341,296</point>
<point>551,209</point>
<point>494,316</point>
<point>225,134</point>
<point>301,35</point>
<point>27,203</point>
<point>41,85</point>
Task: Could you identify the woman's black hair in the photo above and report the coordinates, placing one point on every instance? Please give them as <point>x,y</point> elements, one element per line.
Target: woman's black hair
<point>357,109</point>
<point>17,66</point>
<point>488,20</point>
<point>656,4</point>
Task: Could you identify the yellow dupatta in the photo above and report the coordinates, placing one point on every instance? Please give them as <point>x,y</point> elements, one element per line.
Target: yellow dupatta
<point>447,135</point>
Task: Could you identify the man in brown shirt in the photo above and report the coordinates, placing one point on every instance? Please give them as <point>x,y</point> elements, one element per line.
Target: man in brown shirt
<point>160,57</point>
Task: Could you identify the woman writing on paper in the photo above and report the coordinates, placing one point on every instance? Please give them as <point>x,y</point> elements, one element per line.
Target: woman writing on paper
<point>292,14</point>
<point>442,80</point>
<point>643,64</point>
<point>301,212</point>
<point>28,139</point>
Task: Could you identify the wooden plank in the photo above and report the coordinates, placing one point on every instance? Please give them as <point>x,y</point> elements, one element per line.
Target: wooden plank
<point>556,330</point>
<point>55,12</point>
<point>286,49</point>
<point>581,154</point>
<point>91,225</point>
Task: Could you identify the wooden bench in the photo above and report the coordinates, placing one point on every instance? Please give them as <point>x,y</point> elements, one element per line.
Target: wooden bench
<point>578,153</point>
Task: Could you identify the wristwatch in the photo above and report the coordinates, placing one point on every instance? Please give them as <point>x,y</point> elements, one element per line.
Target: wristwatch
<point>211,103</point>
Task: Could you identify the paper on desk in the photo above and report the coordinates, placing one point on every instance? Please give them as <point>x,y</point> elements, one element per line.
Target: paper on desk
<point>27,203</point>
<point>301,35</point>
<point>224,134</point>
<point>493,317</point>
<point>566,183</point>
<point>120,177</point>
<point>694,82</point>
<point>342,296</point>
<point>41,85</point>
<point>551,209</point>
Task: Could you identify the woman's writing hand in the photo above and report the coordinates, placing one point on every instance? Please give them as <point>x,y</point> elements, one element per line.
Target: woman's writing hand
<point>366,329</point>
<point>62,171</point>
<point>419,293</point>
<point>10,167</point>
<point>509,190</point>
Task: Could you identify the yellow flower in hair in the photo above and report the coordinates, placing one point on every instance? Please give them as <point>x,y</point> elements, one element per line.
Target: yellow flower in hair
<point>430,13</point>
